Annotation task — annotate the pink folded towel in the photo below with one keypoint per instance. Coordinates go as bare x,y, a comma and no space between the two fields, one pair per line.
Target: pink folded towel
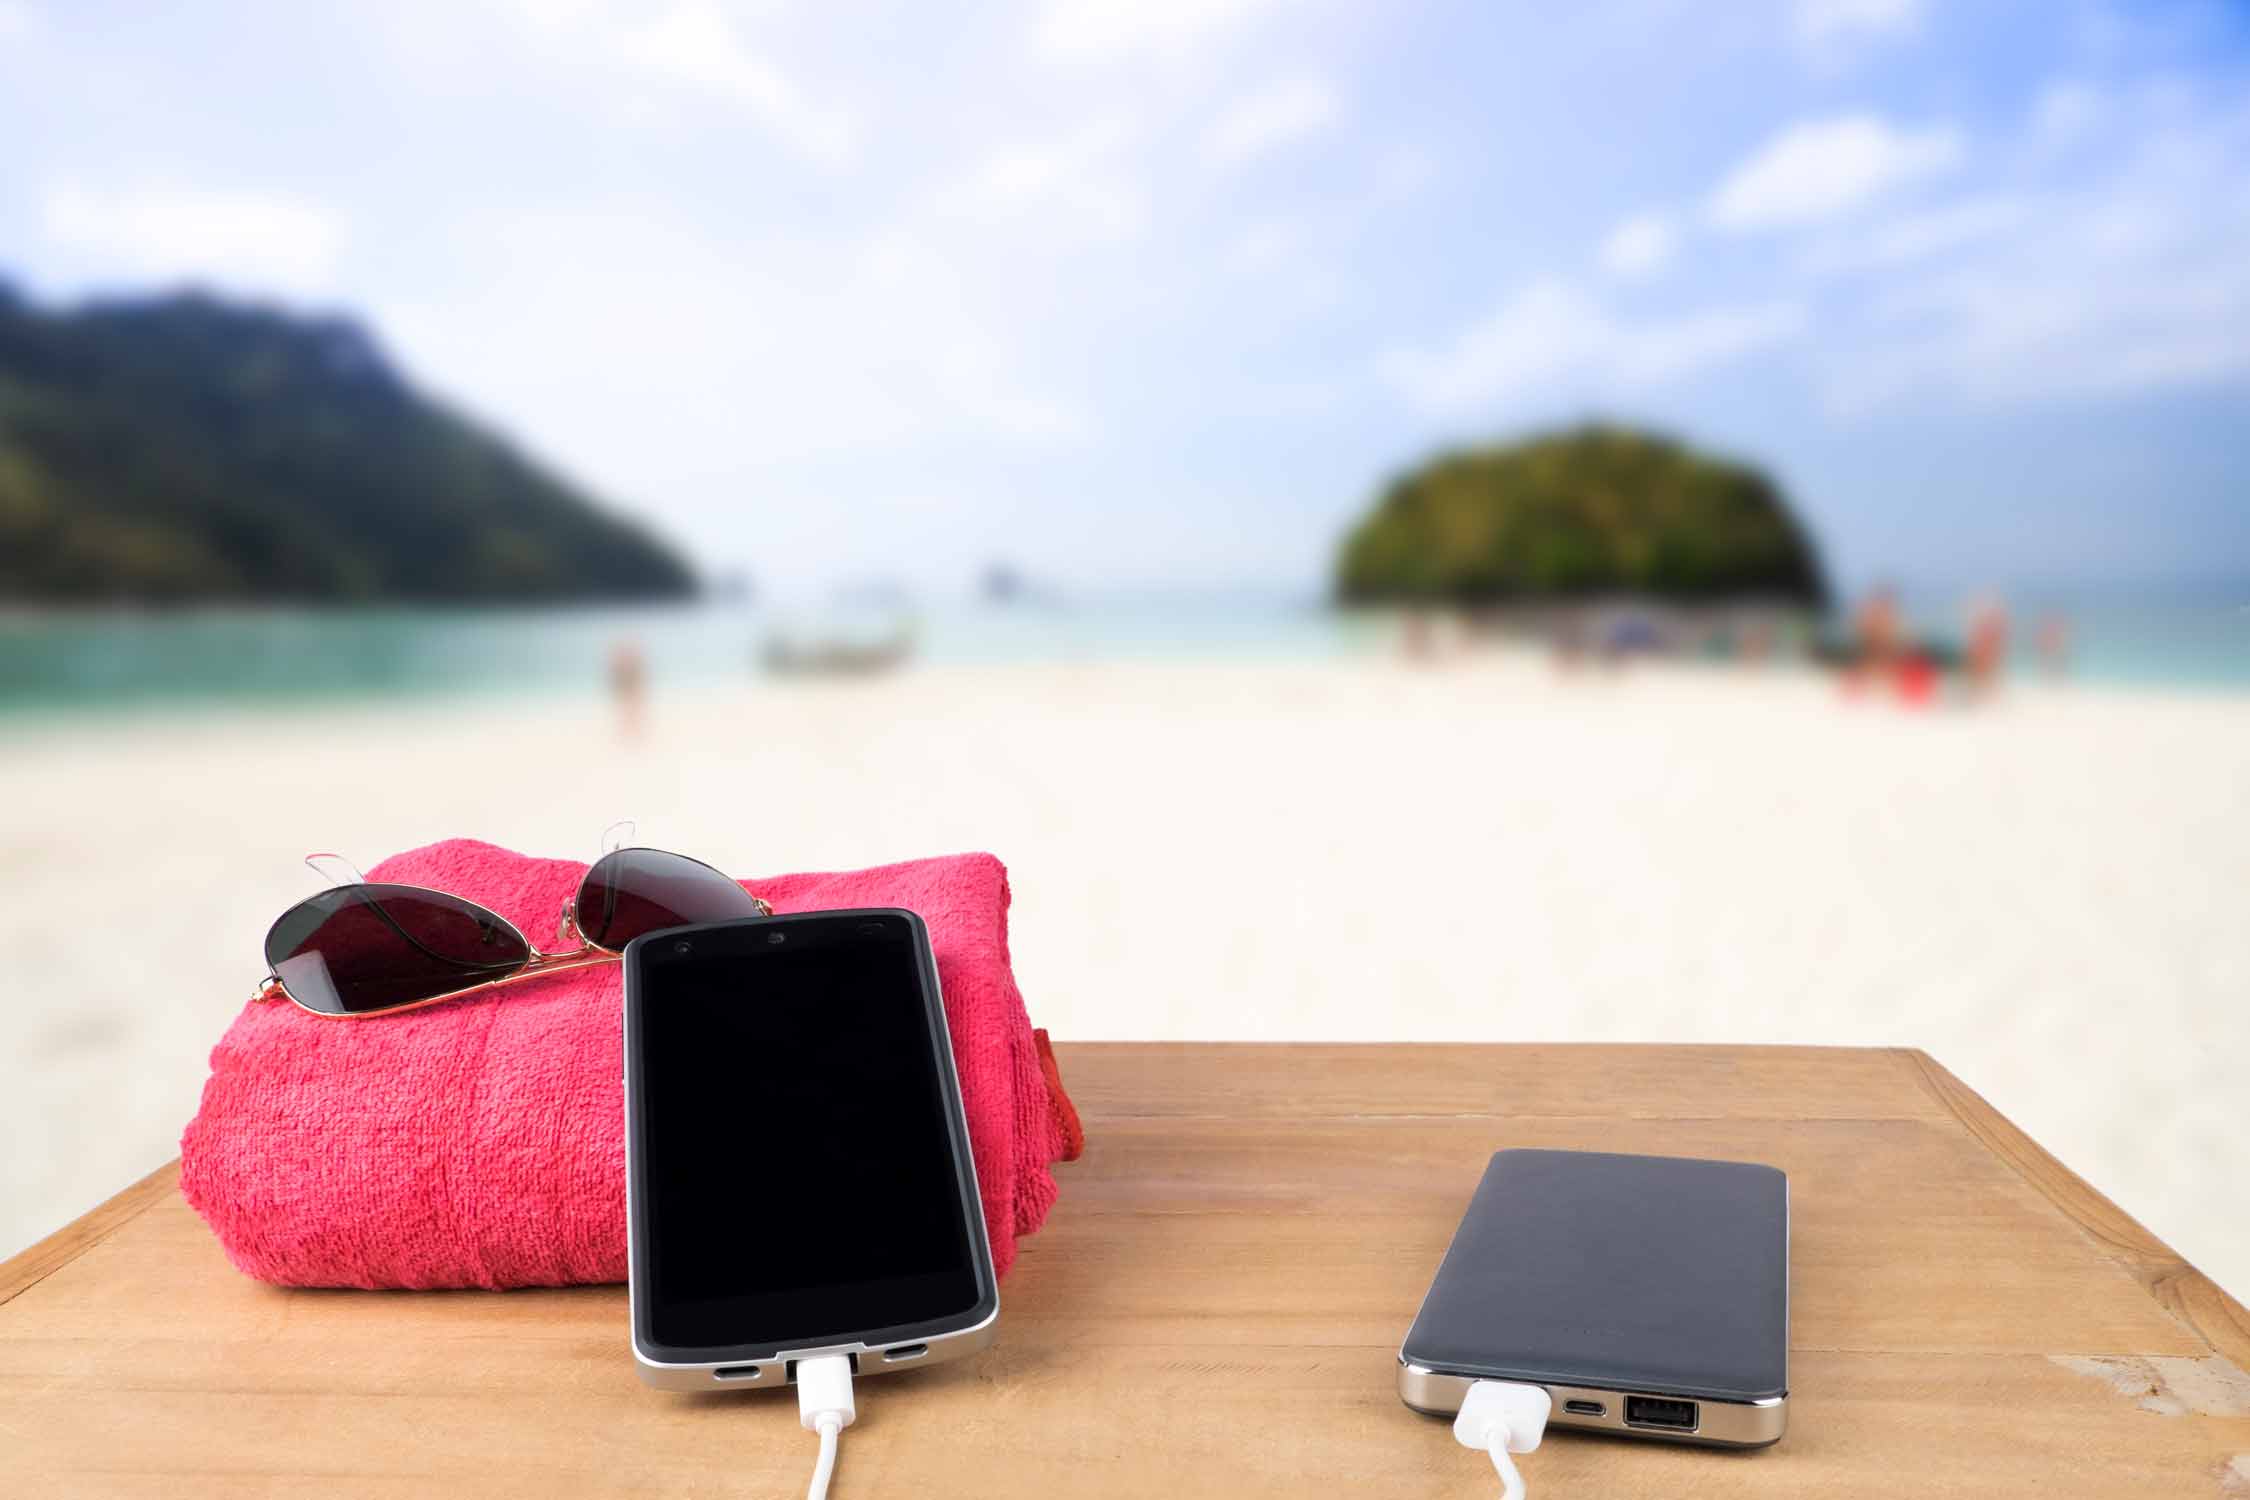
482,1142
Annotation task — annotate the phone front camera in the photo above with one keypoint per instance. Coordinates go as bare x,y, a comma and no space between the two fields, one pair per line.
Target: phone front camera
683,947
777,937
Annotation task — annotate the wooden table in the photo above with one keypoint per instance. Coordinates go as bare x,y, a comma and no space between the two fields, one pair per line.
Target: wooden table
1215,1309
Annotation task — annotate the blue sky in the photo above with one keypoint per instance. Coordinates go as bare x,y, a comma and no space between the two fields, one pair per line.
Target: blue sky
1134,291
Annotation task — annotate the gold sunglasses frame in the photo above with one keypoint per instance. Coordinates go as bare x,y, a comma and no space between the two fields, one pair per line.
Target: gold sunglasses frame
538,966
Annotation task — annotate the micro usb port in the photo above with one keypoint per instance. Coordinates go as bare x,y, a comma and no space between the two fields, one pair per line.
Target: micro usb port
1585,1408
1660,1411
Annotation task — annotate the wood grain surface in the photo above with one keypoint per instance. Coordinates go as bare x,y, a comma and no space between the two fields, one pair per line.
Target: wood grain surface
1214,1309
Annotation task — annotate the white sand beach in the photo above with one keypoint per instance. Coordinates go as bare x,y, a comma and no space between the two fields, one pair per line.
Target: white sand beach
2047,893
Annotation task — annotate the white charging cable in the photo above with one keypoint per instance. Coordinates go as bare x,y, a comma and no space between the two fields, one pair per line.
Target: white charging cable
1503,1417
825,1406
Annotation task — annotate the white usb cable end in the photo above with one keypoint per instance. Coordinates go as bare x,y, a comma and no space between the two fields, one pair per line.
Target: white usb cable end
1501,1417
825,1406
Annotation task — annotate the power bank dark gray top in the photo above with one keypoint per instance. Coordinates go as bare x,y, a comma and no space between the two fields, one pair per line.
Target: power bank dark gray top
1630,1273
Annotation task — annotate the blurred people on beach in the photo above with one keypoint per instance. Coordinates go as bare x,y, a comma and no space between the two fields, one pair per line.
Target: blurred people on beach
1880,629
1985,645
1883,658
2051,640
1417,639
628,686
1569,634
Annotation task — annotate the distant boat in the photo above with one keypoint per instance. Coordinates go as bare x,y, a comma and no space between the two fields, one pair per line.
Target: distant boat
838,651
1002,584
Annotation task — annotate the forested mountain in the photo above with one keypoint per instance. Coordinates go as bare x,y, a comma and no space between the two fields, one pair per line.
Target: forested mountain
183,449
1594,510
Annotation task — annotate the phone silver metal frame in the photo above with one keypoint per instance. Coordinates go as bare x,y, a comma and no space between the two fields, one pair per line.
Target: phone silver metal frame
765,1374
1722,1424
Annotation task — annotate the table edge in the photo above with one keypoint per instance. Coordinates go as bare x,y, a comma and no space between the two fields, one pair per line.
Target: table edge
2167,1277
20,1272
2175,1285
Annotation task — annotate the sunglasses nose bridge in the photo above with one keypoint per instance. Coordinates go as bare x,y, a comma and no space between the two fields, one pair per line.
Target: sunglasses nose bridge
566,925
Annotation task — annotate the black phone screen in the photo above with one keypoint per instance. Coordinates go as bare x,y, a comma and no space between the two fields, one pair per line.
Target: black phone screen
799,1157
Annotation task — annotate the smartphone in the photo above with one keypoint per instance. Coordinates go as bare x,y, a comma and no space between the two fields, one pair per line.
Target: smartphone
1648,1294
798,1174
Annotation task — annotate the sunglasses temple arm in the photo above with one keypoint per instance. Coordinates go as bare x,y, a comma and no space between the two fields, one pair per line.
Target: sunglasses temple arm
320,864
359,893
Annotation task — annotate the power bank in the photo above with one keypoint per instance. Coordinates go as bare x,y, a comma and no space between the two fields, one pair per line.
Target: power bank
1648,1294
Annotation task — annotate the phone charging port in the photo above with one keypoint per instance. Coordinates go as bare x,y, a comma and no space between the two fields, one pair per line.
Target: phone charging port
736,1372
905,1351
1660,1411
1585,1408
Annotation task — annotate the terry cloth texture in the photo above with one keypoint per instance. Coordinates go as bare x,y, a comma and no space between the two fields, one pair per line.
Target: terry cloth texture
481,1142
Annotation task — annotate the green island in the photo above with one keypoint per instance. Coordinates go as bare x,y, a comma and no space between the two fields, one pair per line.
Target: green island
1595,511
183,449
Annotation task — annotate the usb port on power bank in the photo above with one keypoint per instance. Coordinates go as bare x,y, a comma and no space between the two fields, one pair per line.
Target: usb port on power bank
1585,1408
1660,1411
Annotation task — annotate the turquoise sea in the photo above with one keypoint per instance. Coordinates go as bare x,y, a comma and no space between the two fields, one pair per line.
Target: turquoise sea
65,663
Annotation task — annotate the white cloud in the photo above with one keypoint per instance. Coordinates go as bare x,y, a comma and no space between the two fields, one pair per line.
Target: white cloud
648,53
1668,348
1820,169
1640,245
2127,280
1274,116
943,368
1112,29
2009,331
262,242
2013,335
695,42
2066,111
1287,272
1820,23
551,15
1405,171
1074,182
1261,247
1551,332
1915,237
1034,169
632,347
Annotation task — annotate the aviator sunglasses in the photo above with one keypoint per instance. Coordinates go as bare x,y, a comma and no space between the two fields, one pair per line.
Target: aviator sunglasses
371,948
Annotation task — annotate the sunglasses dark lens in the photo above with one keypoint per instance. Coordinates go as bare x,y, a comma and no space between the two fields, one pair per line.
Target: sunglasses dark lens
363,948
636,891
